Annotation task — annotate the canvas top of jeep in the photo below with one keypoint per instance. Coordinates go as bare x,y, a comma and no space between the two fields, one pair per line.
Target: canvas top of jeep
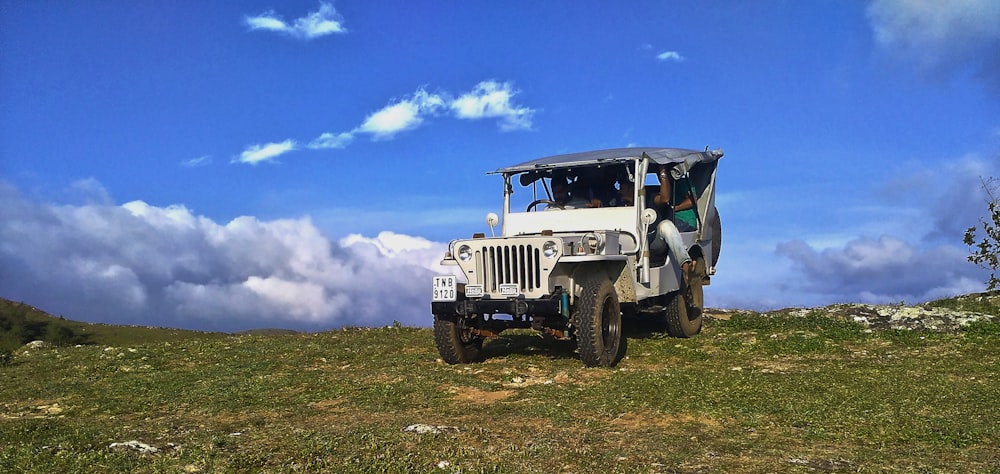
594,179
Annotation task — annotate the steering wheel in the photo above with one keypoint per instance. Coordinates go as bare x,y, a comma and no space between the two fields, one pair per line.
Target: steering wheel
535,204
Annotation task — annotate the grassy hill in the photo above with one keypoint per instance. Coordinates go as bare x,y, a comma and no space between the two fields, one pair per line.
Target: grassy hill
21,323
780,393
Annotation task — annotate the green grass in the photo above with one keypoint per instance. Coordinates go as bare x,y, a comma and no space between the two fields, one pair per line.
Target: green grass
751,394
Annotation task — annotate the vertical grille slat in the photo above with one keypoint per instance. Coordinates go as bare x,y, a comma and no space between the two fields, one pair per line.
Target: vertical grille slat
521,266
515,264
537,267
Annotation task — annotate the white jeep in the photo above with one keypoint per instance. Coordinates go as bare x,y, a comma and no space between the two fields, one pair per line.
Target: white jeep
578,246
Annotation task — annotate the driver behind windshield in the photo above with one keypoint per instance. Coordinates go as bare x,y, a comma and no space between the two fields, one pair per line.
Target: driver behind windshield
567,195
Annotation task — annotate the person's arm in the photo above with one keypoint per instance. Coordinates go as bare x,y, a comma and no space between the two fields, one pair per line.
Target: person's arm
687,202
663,197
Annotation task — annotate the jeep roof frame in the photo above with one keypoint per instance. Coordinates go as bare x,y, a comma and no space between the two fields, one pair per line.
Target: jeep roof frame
661,156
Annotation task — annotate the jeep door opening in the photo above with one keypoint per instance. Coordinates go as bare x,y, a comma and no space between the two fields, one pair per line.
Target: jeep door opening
579,245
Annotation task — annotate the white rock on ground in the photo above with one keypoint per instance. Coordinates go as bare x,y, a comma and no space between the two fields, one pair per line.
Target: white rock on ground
141,448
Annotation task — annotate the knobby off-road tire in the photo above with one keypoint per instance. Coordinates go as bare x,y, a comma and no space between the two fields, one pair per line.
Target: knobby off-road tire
598,321
682,321
455,343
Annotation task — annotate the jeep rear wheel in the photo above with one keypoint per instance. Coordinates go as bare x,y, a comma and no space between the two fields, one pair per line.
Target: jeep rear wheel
598,321
455,341
682,321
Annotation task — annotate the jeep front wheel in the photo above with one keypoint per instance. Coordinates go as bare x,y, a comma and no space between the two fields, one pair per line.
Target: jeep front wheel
682,321
455,341
598,321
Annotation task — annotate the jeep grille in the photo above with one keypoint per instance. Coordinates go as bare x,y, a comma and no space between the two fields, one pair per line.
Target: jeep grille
517,264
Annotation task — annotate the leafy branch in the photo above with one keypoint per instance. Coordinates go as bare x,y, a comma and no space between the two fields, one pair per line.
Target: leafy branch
986,252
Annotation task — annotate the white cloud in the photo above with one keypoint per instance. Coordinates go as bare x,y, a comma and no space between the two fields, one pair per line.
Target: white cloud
257,153
941,36
142,264
266,21
329,140
491,99
406,114
673,56
196,162
322,22
89,191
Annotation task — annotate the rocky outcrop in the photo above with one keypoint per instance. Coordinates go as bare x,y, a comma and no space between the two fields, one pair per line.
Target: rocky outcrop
923,317
884,317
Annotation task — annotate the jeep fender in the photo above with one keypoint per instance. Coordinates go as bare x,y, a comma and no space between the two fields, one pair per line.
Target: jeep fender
619,271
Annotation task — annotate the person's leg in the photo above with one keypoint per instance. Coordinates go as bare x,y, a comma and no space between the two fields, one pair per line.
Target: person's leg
668,232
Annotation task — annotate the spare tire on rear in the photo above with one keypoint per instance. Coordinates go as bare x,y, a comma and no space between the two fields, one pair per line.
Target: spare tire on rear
716,226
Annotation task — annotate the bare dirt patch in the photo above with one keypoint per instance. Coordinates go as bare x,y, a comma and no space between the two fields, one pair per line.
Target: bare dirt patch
475,395
646,420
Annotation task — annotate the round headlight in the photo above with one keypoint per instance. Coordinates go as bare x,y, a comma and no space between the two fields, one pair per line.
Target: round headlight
550,249
465,253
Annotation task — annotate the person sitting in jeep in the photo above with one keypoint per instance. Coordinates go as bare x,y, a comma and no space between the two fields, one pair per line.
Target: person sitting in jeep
684,212
667,235
626,192
568,193
601,188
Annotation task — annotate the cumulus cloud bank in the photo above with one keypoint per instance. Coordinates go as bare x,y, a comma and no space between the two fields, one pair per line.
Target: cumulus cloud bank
883,270
165,266
322,22
909,246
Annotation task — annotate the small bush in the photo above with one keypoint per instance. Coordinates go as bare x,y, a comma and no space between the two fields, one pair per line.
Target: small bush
59,335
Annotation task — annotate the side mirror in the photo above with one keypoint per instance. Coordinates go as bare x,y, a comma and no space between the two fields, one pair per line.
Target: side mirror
492,219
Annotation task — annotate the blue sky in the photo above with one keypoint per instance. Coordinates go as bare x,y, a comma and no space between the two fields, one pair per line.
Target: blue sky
228,165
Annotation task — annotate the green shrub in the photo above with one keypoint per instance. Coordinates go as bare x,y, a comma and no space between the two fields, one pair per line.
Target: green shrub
59,335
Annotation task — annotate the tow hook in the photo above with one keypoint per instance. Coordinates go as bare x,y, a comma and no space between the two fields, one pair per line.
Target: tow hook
557,333
483,332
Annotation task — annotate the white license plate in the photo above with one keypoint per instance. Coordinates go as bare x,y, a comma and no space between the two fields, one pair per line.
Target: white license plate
509,289
474,291
444,288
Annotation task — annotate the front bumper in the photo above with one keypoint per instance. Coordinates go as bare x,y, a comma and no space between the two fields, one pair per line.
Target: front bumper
512,306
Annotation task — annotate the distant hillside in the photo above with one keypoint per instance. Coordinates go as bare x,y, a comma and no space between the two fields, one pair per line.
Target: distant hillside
21,323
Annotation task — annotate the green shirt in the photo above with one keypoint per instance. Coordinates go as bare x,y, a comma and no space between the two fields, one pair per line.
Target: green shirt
680,192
